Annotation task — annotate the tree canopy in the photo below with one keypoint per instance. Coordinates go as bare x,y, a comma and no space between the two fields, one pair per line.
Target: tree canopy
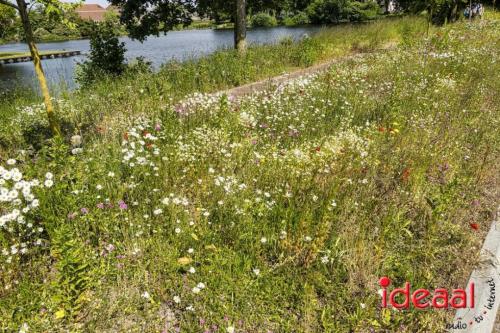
151,17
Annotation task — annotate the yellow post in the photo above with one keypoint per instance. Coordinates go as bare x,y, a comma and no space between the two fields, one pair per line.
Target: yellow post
35,55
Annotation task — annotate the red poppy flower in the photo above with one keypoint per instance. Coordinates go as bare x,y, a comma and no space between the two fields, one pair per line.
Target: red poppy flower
381,129
406,174
474,226
125,136
318,149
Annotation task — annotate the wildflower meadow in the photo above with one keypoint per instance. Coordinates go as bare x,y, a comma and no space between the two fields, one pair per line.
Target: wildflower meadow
171,207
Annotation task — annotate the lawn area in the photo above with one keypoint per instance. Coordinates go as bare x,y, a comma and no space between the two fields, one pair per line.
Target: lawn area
169,207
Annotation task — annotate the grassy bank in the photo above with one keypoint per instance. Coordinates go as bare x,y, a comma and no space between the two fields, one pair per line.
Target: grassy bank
177,210
226,68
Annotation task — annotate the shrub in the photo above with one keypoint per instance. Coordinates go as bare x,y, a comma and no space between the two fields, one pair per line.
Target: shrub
364,11
107,55
41,34
139,66
335,11
264,20
300,18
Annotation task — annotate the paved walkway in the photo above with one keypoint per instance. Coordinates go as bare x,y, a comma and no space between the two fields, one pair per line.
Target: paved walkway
250,88
486,279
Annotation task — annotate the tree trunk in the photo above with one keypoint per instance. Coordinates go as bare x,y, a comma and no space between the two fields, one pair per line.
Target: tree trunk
240,26
470,11
23,13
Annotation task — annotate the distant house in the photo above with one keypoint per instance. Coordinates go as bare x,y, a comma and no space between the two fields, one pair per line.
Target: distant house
94,12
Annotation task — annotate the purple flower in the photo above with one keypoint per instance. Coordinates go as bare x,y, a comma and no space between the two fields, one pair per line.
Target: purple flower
158,127
84,211
202,321
122,205
100,205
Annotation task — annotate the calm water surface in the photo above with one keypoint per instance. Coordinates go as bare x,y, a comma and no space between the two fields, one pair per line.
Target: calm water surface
178,45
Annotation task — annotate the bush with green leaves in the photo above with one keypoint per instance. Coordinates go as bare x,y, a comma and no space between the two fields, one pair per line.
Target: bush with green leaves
301,18
336,11
364,11
107,55
264,20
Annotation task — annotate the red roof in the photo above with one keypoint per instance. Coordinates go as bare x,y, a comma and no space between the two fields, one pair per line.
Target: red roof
92,12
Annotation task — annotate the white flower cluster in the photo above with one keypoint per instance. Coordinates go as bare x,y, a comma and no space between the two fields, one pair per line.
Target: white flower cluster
199,103
16,201
139,145
174,200
229,183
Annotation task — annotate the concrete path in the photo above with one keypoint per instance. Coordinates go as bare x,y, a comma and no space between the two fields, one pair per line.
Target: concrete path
253,87
486,279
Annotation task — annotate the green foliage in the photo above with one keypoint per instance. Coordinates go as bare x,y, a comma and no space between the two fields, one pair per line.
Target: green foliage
145,18
139,66
441,11
335,11
72,277
263,20
308,53
7,21
107,55
364,11
301,18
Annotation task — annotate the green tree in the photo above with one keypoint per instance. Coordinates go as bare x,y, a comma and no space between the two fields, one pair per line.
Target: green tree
107,55
335,11
143,18
240,26
440,11
7,21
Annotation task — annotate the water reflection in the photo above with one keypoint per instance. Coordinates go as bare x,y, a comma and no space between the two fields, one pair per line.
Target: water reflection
178,45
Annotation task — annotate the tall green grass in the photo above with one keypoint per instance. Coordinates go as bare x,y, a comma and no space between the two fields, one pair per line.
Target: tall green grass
181,211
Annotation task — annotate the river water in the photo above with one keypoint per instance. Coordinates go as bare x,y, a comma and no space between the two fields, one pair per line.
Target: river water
178,45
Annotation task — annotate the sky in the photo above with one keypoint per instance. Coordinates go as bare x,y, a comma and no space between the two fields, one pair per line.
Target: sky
103,3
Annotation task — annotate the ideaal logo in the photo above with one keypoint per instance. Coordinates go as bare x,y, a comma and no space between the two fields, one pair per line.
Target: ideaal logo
424,298
475,317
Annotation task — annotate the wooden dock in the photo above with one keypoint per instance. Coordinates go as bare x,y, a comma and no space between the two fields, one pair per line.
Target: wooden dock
25,57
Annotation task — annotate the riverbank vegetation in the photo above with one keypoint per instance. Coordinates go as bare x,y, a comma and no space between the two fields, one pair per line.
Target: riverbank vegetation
219,14
168,207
